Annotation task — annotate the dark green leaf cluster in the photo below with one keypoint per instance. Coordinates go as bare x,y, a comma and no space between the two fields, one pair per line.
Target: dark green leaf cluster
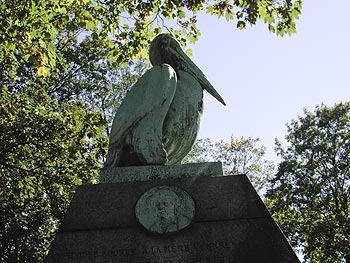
280,16
310,197
53,137
46,149
31,32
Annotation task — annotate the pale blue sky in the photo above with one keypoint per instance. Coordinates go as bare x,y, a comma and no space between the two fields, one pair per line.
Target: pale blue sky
267,80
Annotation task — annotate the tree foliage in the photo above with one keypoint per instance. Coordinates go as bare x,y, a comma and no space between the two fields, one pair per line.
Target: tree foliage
46,149
310,197
49,144
34,33
239,156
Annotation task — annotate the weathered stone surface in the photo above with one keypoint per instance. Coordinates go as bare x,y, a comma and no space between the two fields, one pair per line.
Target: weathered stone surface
231,225
165,209
104,206
255,240
155,172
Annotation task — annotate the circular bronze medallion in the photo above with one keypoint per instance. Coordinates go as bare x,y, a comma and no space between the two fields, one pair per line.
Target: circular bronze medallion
165,209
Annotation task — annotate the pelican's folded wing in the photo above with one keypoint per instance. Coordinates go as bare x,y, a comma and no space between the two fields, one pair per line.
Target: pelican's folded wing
136,134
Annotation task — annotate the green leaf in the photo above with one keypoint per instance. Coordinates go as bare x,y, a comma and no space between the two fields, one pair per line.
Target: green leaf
241,25
210,10
189,52
181,14
90,25
262,11
298,5
295,13
228,16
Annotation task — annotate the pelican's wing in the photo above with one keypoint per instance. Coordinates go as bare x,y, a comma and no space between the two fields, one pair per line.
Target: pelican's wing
136,134
181,124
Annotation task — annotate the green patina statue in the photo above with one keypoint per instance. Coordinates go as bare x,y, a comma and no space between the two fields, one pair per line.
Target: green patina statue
158,121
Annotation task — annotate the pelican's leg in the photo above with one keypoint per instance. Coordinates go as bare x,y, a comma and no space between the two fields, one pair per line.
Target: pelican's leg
136,136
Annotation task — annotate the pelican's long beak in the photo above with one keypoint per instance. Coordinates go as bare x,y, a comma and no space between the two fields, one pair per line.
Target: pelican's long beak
191,68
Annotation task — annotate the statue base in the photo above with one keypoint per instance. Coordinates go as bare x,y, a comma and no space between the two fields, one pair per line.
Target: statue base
156,172
229,224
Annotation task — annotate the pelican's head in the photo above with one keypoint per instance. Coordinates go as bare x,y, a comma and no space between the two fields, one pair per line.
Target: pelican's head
165,49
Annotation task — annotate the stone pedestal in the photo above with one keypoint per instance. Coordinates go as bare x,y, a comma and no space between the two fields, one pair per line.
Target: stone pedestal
230,224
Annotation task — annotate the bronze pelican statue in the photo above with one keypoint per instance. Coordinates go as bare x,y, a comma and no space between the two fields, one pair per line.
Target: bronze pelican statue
158,121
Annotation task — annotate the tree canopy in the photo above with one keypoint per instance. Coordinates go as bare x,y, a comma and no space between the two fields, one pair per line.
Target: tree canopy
35,33
310,197
48,146
39,138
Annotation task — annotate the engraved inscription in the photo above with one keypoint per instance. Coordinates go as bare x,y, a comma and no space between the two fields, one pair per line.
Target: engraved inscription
201,252
99,253
211,259
151,172
217,245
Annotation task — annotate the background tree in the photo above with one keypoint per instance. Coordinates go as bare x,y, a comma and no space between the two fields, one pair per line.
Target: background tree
49,146
239,156
39,138
310,197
